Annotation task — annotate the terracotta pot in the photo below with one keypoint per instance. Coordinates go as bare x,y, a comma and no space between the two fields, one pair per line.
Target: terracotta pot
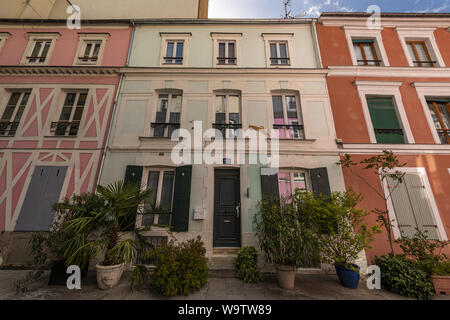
109,276
441,284
285,276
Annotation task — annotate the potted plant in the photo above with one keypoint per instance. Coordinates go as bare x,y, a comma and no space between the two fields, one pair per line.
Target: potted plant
287,241
343,234
100,230
441,277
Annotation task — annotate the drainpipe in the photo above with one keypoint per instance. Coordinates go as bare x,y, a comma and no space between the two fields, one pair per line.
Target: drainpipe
316,42
116,101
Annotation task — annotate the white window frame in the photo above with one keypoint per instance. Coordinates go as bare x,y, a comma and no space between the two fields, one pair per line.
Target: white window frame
35,37
227,38
4,105
420,34
60,106
170,93
84,39
227,94
390,206
3,38
174,37
383,89
300,112
291,172
431,89
355,33
279,37
144,181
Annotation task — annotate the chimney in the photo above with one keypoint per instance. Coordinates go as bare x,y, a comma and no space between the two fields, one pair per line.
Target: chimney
203,9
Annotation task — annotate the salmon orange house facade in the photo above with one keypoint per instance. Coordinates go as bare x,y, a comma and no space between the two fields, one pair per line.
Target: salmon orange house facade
57,91
389,89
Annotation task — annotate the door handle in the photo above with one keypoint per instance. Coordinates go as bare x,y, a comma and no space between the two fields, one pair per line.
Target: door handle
238,210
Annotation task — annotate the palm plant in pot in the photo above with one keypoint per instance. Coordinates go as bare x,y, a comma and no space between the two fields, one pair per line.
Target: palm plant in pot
343,233
101,228
286,240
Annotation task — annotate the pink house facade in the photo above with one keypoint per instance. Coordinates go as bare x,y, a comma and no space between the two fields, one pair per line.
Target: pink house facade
57,94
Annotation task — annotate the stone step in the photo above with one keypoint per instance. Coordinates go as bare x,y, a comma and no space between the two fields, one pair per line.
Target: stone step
222,262
221,251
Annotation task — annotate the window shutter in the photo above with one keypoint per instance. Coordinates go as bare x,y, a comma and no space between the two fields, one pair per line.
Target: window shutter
269,183
181,199
412,207
133,174
320,182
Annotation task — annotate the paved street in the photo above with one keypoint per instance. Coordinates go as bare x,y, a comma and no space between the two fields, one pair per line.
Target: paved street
308,286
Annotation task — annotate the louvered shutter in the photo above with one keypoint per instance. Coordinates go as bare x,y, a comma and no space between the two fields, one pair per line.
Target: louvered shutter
181,199
133,174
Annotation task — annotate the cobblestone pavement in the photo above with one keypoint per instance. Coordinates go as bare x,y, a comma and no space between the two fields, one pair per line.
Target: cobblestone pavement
308,287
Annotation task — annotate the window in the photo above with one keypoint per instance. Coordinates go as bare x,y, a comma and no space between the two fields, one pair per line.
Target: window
279,53
365,52
71,114
413,205
174,52
39,48
228,114
384,120
168,112
90,48
420,54
286,118
440,113
289,181
161,181
227,53
15,107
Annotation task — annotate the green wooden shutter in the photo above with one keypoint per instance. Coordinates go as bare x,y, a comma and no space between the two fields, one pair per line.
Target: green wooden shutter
383,116
412,207
269,183
133,174
181,199
319,181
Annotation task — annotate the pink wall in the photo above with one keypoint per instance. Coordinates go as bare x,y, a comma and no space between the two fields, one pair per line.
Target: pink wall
115,53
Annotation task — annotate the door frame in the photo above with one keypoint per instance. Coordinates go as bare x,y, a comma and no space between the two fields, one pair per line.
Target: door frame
237,170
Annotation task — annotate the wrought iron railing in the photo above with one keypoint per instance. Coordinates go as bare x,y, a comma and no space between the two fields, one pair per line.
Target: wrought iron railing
227,129
8,128
170,60
297,130
223,60
65,128
284,61
159,128
366,61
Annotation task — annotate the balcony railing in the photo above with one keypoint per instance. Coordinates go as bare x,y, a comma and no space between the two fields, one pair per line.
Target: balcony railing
159,128
421,63
222,60
444,135
367,62
282,61
65,128
389,135
8,128
227,129
290,131
170,60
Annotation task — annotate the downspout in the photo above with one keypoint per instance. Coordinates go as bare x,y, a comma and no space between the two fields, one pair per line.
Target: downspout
116,101
316,42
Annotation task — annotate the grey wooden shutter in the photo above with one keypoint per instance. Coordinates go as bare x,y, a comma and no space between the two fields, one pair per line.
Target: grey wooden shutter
133,174
319,181
269,183
181,199
412,206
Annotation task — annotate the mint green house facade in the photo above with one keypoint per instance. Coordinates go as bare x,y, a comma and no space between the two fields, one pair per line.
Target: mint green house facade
196,75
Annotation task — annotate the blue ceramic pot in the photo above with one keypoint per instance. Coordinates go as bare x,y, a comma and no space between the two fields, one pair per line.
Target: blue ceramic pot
348,277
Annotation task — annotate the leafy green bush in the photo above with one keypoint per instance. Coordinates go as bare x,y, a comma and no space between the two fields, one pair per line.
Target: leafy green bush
247,265
180,269
442,269
405,277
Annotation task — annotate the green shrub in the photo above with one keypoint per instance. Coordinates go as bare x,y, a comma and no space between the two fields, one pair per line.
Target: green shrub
405,277
247,265
442,269
180,269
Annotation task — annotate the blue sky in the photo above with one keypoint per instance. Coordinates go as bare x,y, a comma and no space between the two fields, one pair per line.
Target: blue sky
313,8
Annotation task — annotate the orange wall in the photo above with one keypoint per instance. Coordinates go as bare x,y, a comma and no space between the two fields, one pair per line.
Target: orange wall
393,47
436,167
333,46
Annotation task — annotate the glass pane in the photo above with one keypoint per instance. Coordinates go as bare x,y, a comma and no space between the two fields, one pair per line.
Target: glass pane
234,109
169,52
231,53
278,116
70,99
82,99
26,95
36,50
445,115
299,181
96,50
423,54
283,53
152,183
370,54
179,53
87,51
413,54
78,114
8,113
167,189
220,109
273,53
222,51
45,52
284,184
291,106
176,103
358,54
65,114
161,114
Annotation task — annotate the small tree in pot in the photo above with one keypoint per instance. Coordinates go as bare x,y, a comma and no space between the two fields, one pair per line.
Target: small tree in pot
100,231
343,233
287,241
